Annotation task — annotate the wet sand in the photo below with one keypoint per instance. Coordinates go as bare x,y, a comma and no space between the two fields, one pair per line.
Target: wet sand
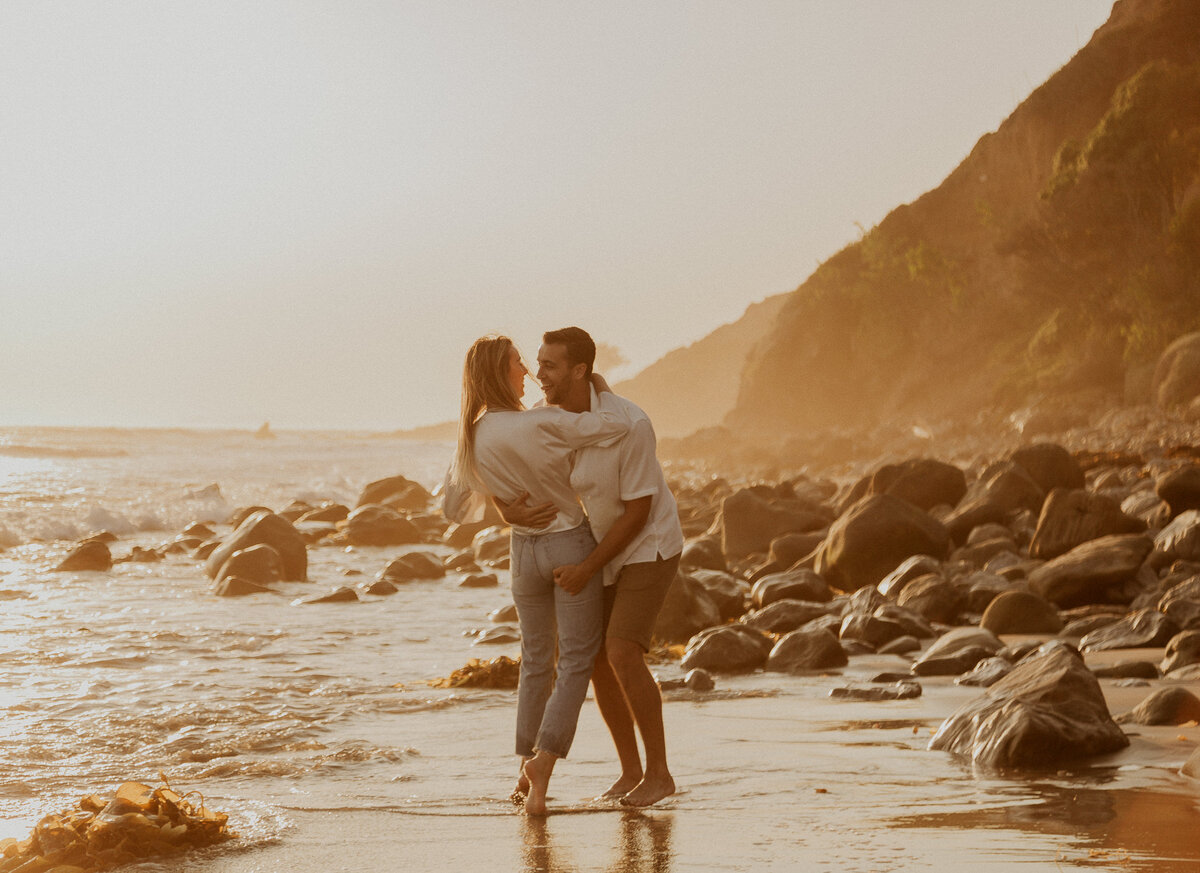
773,774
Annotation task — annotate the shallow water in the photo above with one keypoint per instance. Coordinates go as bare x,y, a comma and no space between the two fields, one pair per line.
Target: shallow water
289,718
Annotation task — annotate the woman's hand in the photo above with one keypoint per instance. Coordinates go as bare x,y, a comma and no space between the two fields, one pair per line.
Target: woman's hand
519,512
571,578
600,383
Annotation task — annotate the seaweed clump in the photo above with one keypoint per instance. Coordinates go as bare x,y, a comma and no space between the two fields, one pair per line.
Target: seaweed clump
500,672
138,822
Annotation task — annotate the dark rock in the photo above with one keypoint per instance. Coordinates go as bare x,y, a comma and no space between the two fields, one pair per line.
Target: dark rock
1187,673
731,648
1145,628
337,595
874,631
242,513
727,591
1177,373
1088,573
935,598
1179,540
479,580
873,537
1079,628
235,586
1014,653
491,545
1127,670
904,645
1181,650
413,565
198,530
1180,488
204,551
139,555
699,680
260,564
463,562
923,482
503,613
379,588
87,557
687,610
703,553
782,616
376,525
980,553
910,568
1191,767
952,664
329,512
800,584
1049,465
1173,705
913,623
1020,612
750,520
497,636
1047,711
1001,491
395,492
982,588
1072,517
807,649
864,601
294,510
903,690
986,673
460,536
264,528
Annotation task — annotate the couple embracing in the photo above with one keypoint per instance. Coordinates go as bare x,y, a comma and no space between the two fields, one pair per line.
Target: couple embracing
587,586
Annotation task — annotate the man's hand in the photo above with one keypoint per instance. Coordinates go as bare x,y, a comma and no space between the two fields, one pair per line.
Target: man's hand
571,578
519,512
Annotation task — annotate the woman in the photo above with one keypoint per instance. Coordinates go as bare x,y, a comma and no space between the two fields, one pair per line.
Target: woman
506,451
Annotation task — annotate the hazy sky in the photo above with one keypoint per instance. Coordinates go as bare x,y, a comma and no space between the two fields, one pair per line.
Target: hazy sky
218,213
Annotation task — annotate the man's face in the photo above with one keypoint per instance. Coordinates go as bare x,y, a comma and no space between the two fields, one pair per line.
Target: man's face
556,374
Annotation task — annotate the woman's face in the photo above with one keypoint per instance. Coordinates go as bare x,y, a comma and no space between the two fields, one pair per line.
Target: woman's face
516,372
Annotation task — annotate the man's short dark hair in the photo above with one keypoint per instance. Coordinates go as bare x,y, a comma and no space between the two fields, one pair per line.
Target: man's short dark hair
581,349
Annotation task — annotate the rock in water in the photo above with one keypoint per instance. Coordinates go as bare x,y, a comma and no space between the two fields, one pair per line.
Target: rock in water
1047,711
91,555
266,528
1173,705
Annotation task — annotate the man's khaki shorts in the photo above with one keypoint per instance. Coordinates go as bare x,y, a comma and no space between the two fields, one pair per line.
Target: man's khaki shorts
631,605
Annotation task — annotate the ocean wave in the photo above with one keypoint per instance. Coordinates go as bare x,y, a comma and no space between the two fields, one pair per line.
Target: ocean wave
20,451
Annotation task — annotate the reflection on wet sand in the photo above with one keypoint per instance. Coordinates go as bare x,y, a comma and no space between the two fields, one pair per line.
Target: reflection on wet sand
643,845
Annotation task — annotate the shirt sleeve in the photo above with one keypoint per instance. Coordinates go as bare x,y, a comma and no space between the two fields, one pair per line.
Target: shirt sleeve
641,475
460,503
579,429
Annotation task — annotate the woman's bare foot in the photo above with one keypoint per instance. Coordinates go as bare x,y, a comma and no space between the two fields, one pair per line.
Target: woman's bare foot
538,770
518,794
650,790
621,787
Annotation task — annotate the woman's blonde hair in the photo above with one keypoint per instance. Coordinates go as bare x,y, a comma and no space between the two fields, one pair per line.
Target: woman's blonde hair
485,386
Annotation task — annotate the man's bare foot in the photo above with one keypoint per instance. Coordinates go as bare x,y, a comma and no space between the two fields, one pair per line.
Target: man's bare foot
538,770
649,791
621,787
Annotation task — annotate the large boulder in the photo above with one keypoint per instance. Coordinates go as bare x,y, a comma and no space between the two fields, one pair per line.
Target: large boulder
923,482
1047,711
798,584
809,648
1177,373
703,553
1049,465
934,598
396,492
1180,488
730,648
1087,573
1179,540
727,591
873,536
92,555
751,518
1002,489
687,610
260,564
264,528
377,525
1146,628
783,616
1071,517
1021,612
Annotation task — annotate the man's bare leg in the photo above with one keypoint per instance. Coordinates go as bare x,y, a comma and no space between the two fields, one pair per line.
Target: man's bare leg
538,770
629,664
614,709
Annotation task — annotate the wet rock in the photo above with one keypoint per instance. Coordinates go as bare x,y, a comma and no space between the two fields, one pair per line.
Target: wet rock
1049,465
139,555
507,612
244,512
337,595
87,557
1089,573
1180,488
956,652
869,629
491,545
1014,653
463,562
329,512
1181,650
903,690
395,492
1172,705
1047,711
910,569
375,525
699,680
1072,517
235,586
378,588
703,553
1181,603
1177,374
198,530
264,528
782,616
1127,670
986,673
1188,673
751,518
934,598
687,610
460,536
413,565
1146,628
497,636
904,645
731,648
807,649
260,564
1020,612
799,584
873,537
913,623
727,591
479,580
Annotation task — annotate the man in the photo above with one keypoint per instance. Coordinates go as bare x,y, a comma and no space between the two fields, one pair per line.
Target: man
636,524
